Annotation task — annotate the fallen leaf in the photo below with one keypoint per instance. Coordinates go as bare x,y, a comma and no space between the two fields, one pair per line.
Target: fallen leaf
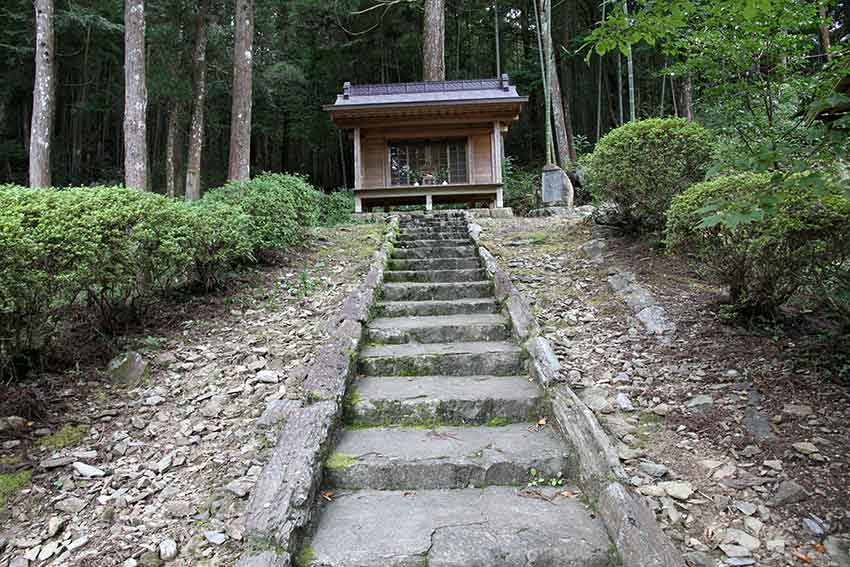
819,547
409,493
536,493
434,434
567,493
328,495
802,557
542,421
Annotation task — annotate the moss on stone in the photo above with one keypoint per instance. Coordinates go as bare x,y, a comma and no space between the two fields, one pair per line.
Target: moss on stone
497,422
10,483
305,557
339,461
65,437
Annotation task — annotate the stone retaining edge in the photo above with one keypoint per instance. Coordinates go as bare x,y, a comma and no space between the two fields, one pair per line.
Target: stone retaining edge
283,501
630,523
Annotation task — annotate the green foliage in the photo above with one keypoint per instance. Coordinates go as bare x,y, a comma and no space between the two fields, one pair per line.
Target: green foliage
337,207
68,436
537,478
223,238
642,165
281,206
521,186
10,483
764,258
107,254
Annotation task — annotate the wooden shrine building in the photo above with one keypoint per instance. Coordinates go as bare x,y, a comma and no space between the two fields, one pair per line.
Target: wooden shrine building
428,143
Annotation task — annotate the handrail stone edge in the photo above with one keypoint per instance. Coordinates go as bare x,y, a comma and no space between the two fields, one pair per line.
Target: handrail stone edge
283,501
631,525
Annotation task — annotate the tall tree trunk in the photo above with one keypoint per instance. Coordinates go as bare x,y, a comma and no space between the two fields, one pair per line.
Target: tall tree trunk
563,101
498,39
823,30
599,88
43,96
433,41
544,44
688,98
170,148
196,131
135,96
631,72
561,136
239,165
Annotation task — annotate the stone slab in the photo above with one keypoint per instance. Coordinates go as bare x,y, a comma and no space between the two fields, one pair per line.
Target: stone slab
282,501
494,526
437,307
448,457
434,275
454,359
444,399
435,264
431,291
467,251
439,328
433,243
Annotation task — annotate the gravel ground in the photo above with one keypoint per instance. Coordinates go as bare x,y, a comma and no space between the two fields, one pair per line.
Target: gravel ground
160,471
738,436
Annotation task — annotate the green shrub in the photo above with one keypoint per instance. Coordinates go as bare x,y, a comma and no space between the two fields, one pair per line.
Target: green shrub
110,249
640,167
337,207
521,187
764,261
281,207
223,239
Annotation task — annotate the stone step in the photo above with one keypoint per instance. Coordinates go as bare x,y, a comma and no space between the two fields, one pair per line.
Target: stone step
435,264
427,291
490,527
453,359
437,225
439,329
432,252
437,307
432,243
440,235
448,457
424,276
451,400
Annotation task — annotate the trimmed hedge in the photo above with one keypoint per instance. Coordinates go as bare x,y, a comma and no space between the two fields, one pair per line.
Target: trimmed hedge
110,252
281,205
641,165
337,207
765,261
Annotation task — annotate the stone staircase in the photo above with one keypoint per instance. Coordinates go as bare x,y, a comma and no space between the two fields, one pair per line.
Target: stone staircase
441,437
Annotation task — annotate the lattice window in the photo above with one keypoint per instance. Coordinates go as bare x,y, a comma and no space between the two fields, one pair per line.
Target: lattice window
428,162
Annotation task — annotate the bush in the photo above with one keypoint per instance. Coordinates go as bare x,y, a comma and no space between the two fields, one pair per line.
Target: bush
223,239
765,261
640,167
521,187
108,253
281,207
337,207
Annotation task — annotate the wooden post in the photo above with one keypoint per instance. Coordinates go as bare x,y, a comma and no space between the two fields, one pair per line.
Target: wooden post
429,204
358,161
497,152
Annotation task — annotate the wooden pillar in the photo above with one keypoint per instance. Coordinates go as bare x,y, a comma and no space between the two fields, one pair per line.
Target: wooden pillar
358,161
497,152
429,204
358,171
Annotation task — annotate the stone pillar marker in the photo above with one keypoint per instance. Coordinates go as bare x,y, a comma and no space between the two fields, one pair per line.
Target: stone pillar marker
557,188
